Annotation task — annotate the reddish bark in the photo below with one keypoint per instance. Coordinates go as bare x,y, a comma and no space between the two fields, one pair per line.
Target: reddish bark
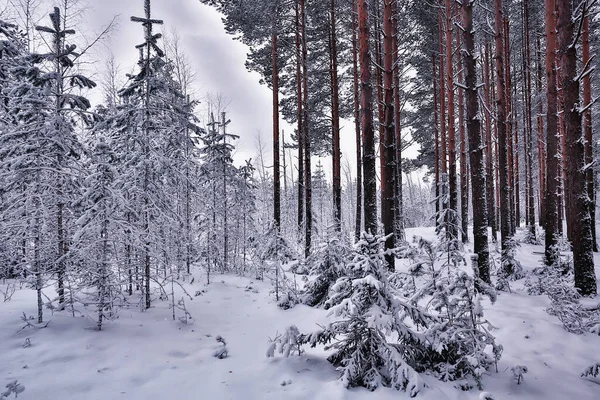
335,116
359,197
398,205
578,208
541,143
464,170
306,122
276,167
480,232
368,139
587,128
491,205
529,124
509,127
503,142
300,117
552,166
388,155
453,220
437,139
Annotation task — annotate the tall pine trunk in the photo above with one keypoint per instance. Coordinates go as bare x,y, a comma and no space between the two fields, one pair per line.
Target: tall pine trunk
276,166
578,208
300,117
359,173
368,138
398,201
489,166
335,115
541,144
505,228
437,140
552,184
453,220
306,135
587,127
464,169
528,143
479,202
389,156
444,154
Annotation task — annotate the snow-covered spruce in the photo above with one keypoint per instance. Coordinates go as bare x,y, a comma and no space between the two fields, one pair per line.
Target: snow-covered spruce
464,346
273,252
95,238
325,265
510,268
373,335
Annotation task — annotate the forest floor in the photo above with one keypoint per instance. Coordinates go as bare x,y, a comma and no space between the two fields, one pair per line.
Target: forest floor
149,356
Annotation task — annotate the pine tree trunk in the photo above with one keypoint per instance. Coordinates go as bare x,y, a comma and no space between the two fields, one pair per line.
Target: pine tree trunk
453,220
578,207
443,144
552,184
300,116
389,154
464,169
503,167
336,155
306,123
398,204
380,106
276,166
437,141
528,142
359,173
509,126
491,204
540,136
587,128
562,151
479,201
366,94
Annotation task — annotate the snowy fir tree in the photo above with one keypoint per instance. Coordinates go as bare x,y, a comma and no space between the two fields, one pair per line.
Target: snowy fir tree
365,314
324,266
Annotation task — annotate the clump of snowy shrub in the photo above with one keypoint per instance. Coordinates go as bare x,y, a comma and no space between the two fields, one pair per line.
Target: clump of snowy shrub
593,371
556,281
285,344
12,387
325,266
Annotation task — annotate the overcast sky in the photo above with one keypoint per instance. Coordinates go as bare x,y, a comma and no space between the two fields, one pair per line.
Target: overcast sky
217,59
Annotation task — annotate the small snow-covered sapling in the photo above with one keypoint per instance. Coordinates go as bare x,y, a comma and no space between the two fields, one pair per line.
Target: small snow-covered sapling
12,387
222,351
519,372
486,396
7,293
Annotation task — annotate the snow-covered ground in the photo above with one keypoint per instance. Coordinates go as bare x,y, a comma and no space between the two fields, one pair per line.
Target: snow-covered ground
149,356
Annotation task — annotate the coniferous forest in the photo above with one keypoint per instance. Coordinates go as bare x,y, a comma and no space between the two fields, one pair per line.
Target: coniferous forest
419,222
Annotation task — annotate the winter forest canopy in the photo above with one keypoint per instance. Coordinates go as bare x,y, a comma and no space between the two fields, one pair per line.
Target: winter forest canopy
420,220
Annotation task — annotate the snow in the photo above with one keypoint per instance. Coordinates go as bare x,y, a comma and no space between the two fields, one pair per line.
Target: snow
147,355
